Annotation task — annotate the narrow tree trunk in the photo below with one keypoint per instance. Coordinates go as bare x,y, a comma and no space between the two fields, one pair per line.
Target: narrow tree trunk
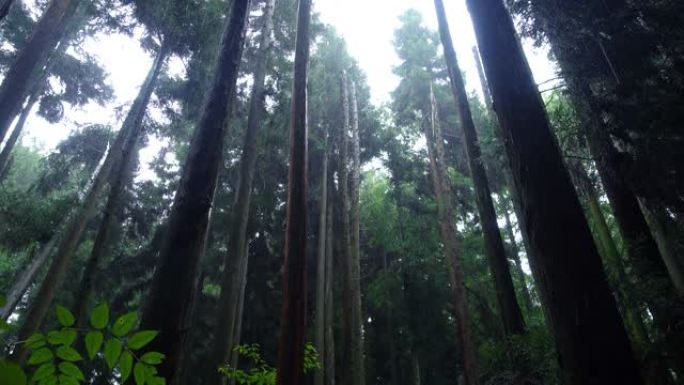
237,330
444,198
515,255
237,242
27,277
169,301
293,316
4,8
321,268
509,310
16,132
415,366
46,34
591,341
329,354
394,370
357,375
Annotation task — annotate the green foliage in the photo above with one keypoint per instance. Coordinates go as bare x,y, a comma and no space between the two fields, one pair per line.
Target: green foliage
260,373
54,357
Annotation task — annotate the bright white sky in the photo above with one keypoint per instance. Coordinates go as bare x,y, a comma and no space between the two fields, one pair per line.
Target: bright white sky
367,25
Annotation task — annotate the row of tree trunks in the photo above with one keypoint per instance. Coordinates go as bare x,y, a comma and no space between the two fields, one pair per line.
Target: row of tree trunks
444,198
509,310
169,302
233,276
46,34
591,341
290,369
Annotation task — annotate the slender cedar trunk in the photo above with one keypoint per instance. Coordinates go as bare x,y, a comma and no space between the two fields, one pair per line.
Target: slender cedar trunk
615,266
394,370
515,256
46,34
347,374
169,301
506,167
357,375
27,277
444,198
509,310
5,7
16,132
224,340
70,240
321,268
123,176
293,316
329,354
237,330
415,365
591,341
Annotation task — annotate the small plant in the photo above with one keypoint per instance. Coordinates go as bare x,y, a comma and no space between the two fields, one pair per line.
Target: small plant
260,372
54,359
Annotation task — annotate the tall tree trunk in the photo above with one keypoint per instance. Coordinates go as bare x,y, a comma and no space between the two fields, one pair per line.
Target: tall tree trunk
444,198
321,268
27,277
389,326
357,376
124,176
16,132
169,301
76,226
591,341
223,341
293,316
329,354
5,7
415,366
515,256
509,310
46,34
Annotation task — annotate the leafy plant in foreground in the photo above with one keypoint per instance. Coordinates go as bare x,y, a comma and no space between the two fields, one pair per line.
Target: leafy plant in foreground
260,372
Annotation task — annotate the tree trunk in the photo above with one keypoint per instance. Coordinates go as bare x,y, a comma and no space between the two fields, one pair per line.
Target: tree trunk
392,348
223,341
76,226
46,34
444,198
515,256
329,354
27,277
321,268
509,310
293,316
591,341
415,365
4,8
357,376
16,132
169,301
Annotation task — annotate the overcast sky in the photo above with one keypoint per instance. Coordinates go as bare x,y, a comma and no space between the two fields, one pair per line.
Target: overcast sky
367,26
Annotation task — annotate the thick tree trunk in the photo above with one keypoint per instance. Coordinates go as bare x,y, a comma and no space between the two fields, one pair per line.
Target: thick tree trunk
329,353
591,341
70,240
509,310
46,34
293,316
357,376
444,198
27,277
16,132
223,341
515,256
169,301
321,268
5,7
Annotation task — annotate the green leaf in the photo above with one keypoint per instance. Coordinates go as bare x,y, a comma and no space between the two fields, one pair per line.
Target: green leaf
35,341
125,366
100,316
49,380
64,316
139,373
124,324
11,373
72,370
93,343
157,381
65,379
141,339
40,356
62,337
112,351
43,371
152,358
68,353
3,300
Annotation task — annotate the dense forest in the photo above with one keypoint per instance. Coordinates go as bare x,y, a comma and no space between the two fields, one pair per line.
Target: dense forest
289,229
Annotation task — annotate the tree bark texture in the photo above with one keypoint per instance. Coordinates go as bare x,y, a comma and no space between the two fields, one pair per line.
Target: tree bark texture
329,353
591,341
321,270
